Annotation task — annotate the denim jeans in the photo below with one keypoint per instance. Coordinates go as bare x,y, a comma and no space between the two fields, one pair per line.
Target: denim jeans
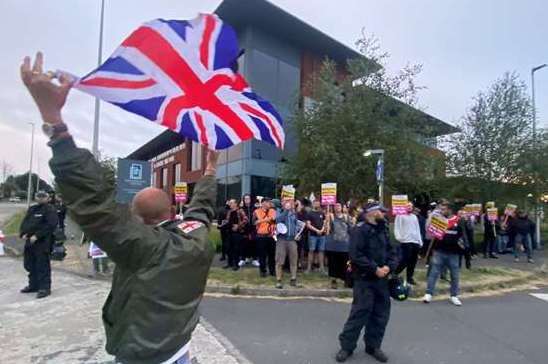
438,262
527,242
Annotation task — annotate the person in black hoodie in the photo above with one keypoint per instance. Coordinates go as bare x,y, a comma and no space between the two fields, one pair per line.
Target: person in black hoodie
489,237
222,225
521,228
372,257
249,250
447,252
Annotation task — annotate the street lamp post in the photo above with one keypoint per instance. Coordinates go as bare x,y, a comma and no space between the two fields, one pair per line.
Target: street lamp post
29,188
95,142
380,170
535,147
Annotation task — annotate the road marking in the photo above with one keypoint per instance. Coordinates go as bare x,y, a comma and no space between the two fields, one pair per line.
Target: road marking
541,296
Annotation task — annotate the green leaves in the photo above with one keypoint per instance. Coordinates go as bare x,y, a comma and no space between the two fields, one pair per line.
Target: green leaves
369,109
496,134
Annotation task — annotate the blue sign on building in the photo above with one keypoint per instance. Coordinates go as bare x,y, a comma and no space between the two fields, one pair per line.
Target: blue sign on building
133,176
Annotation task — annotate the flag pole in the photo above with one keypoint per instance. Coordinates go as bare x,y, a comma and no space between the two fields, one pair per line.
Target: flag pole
95,142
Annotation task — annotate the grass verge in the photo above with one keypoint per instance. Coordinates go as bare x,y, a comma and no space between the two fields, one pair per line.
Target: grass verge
11,227
474,280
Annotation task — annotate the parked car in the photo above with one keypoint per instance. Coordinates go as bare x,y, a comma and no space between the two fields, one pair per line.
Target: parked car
15,199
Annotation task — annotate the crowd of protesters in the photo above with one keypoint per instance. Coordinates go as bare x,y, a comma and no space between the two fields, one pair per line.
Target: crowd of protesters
304,236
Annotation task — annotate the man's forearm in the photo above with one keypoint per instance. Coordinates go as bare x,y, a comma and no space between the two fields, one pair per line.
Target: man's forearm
202,205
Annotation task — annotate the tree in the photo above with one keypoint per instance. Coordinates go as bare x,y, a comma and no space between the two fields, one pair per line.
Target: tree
110,168
495,143
369,108
7,169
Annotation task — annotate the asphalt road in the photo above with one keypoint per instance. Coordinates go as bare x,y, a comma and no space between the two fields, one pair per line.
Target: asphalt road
501,330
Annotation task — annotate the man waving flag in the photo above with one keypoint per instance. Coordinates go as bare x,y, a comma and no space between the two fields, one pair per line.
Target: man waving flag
183,75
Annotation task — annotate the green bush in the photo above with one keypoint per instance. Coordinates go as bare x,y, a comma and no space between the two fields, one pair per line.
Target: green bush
215,238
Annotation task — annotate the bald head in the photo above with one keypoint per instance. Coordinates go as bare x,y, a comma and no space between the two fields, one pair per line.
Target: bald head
152,205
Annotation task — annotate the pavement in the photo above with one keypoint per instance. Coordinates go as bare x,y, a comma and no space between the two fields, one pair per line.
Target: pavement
66,327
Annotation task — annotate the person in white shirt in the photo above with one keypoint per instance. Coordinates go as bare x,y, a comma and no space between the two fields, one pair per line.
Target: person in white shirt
408,233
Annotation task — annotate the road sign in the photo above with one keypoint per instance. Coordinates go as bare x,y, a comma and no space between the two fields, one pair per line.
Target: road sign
133,176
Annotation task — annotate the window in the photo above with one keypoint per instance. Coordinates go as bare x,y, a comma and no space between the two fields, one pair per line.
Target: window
263,186
163,181
228,188
177,177
196,157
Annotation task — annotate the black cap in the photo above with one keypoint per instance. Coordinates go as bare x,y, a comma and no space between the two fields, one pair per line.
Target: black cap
42,194
372,206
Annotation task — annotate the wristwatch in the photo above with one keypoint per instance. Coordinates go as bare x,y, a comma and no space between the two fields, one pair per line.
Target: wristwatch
53,130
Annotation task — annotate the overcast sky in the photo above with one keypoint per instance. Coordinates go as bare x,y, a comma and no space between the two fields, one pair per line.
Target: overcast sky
464,45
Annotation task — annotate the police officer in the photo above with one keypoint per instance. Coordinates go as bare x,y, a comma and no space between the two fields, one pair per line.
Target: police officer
37,229
161,264
373,258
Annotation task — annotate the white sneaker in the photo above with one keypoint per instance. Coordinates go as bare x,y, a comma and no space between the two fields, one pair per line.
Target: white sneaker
427,298
455,300
256,263
241,263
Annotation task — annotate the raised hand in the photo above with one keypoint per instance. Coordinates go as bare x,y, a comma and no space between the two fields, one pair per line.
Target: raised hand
211,164
48,96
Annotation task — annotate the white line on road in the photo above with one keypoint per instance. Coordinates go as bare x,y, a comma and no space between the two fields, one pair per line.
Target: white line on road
541,296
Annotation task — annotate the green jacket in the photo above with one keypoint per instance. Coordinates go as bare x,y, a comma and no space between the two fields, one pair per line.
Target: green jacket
161,271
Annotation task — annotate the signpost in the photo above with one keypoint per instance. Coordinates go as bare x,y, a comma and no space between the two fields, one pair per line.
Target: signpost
133,176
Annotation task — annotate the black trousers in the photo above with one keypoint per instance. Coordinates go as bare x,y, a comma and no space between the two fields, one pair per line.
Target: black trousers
489,245
225,242
409,257
36,260
249,249
370,309
266,247
234,248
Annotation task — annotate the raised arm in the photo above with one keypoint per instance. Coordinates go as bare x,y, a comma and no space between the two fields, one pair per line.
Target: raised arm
202,205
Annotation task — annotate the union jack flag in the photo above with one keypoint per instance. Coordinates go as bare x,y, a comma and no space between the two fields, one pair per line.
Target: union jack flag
180,74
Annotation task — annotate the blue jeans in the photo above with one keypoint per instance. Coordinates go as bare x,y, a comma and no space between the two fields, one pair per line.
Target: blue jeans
438,262
316,243
527,242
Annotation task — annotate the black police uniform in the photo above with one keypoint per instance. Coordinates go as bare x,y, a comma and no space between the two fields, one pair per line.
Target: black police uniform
370,248
40,221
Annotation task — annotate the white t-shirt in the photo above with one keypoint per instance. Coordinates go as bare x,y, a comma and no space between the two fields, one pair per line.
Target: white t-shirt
407,229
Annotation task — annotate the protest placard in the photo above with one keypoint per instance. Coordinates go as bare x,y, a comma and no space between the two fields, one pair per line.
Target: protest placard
492,214
400,205
288,192
181,192
329,194
438,226
510,209
95,252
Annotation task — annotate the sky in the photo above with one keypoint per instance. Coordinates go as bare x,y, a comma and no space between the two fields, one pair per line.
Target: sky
463,45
